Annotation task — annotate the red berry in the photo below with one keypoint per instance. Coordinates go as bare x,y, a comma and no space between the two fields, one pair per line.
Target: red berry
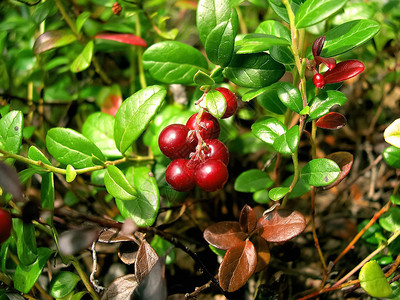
180,175
5,225
211,175
208,126
174,143
318,80
231,102
216,150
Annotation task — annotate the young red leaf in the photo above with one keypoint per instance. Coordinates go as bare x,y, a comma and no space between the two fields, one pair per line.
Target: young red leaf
263,255
345,161
344,70
247,219
126,38
224,235
332,120
146,258
329,62
317,46
281,225
238,265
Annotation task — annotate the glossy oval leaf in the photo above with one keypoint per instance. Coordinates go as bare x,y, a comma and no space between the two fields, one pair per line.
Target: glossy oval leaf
257,42
392,133
289,96
84,59
216,103
11,126
99,128
331,120
287,142
320,172
238,265
282,54
347,36
280,9
281,225
275,28
345,161
254,70
269,100
81,19
63,283
373,280
312,12
173,62
117,185
268,129
391,155
247,219
70,147
224,235
52,39
126,38
278,193
323,102
135,114
202,78
390,220
26,242
143,210
251,181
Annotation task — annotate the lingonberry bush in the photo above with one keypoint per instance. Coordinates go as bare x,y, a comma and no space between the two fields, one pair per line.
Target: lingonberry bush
155,149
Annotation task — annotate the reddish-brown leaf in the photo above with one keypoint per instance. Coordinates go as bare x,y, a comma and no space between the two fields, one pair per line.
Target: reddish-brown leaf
281,225
263,255
345,162
224,235
329,62
247,219
344,70
127,252
332,120
146,258
126,38
52,39
121,288
238,265
317,46
112,235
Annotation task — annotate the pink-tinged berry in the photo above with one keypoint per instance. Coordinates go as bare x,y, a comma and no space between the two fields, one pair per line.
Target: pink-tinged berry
208,125
180,175
211,175
231,102
318,80
216,150
5,225
174,141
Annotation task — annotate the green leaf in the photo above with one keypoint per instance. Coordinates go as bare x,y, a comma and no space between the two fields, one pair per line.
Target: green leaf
257,42
373,281
99,128
278,193
161,246
83,60
261,197
395,199
143,210
201,78
35,154
135,113
117,185
217,24
217,251
323,102
63,283
81,19
269,100
274,28
390,220
251,181
26,276
71,173
52,39
11,131
347,36
26,242
371,233
254,70
173,62
280,9
290,96
391,155
312,12
282,54
47,195
320,172
43,10
287,142
392,133
268,129
70,147
355,11
216,103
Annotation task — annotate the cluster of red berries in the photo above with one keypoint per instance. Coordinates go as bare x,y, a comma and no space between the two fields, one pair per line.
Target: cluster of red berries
336,72
198,157
5,225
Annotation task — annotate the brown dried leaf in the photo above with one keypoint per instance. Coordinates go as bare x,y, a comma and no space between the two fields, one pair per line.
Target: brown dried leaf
247,219
238,265
146,258
345,161
113,235
224,235
281,225
127,252
121,288
263,255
